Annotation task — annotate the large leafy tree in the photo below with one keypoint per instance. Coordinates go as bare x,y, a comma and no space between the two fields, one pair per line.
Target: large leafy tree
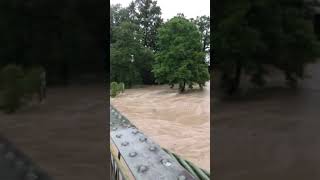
180,58
253,35
145,17
148,15
129,59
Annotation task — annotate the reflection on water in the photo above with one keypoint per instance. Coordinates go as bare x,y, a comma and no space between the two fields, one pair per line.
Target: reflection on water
271,134
178,122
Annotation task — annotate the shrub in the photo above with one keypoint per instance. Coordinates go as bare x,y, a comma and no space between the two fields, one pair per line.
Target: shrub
121,87
32,81
114,89
12,87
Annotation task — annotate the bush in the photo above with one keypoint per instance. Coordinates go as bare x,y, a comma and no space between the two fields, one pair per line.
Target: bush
16,87
12,88
114,89
121,87
32,81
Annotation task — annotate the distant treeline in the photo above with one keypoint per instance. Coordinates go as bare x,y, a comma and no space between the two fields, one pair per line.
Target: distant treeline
252,36
67,38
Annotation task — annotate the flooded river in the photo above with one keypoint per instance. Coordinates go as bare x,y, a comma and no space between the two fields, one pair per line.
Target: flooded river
178,122
271,135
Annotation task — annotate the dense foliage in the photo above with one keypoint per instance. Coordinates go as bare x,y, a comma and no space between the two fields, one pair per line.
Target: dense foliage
130,61
180,58
149,19
135,44
18,86
11,88
253,35
203,24
116,88
133,34
32,81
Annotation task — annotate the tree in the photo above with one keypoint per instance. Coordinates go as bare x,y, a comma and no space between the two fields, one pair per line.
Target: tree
203,24
149,19
143,57
180,58
129,60
253,35
119,15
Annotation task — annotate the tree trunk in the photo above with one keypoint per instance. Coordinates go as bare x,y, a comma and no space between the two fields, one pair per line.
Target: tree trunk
182,86
204,42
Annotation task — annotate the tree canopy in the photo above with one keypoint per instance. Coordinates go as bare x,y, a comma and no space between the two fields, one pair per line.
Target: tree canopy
180,58
149,18
127,42
135,34
129,59
203,24
253,35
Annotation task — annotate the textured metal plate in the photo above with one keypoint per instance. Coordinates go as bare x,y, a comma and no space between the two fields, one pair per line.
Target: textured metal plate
145,159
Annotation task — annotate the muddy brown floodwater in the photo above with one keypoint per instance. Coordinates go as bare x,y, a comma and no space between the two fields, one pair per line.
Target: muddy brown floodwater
178,122
273,134
65,135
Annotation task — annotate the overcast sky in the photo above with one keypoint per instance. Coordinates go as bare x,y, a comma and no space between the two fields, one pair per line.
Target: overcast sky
170,8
